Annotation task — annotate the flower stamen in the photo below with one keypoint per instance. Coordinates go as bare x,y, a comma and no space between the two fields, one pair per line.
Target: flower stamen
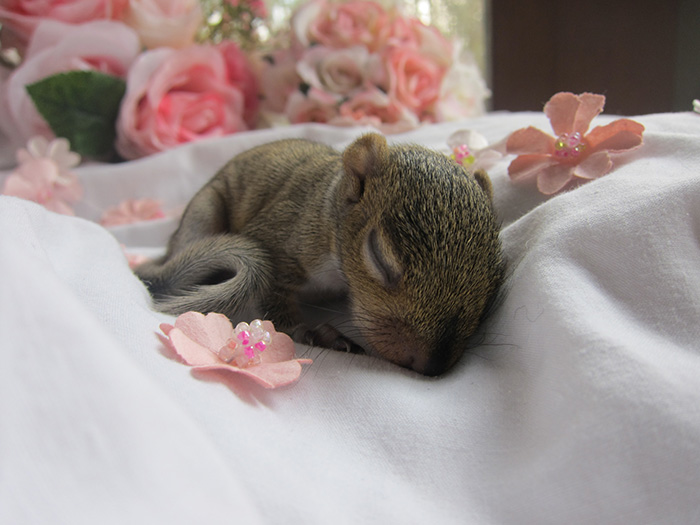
569,145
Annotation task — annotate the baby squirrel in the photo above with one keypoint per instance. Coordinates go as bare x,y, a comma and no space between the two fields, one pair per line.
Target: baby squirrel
407,233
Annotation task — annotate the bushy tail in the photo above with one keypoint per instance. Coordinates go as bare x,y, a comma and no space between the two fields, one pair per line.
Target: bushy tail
223,273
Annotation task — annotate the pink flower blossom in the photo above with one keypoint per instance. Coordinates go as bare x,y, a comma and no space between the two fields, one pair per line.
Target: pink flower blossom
375,108
314,106
43,177
23,16
131,211
209,342
339,71
279,79
414,80
171,23
108,47
572,153
177,96
356,63
471,149
336,24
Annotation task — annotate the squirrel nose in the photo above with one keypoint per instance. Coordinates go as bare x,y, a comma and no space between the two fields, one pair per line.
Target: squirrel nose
426,360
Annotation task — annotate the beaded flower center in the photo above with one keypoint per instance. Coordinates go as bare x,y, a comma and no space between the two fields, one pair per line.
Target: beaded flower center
462,155
569,145
246,345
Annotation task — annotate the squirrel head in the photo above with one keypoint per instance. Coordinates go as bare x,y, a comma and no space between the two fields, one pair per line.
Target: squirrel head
420,250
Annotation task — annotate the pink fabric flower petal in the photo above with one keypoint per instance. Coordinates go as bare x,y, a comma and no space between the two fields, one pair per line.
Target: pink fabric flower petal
569,113
211,331
271,375
531,141
553,178
525,167
191,352
594,166
620,135
281,347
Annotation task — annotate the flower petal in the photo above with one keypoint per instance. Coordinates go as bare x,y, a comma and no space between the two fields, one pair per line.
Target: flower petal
210,331
554,178
594,166
473,140
569,113
529,141
281,347
620,135
193,353
527,166
270,375
590,106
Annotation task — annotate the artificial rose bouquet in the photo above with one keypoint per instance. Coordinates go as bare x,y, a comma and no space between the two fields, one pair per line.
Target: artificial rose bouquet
132,75
124,72
356,63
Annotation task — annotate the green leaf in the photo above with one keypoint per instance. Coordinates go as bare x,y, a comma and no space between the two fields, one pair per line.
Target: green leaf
81,106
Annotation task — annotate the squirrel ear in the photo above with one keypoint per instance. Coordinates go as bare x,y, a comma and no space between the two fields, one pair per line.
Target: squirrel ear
483,180
362,157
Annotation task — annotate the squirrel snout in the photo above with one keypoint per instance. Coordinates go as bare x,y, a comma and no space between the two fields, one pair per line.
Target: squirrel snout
404,348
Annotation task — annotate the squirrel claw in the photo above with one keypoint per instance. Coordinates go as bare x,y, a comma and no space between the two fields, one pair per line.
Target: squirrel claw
325,336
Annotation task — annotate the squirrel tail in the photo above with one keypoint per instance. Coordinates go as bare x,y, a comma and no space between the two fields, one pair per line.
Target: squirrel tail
221,273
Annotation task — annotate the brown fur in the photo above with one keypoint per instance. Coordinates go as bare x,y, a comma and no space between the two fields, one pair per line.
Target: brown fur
412,234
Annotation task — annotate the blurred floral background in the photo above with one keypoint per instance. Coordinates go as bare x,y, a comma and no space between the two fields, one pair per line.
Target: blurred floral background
121,79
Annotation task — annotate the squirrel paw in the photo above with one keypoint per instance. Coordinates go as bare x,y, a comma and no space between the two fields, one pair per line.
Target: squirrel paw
325,336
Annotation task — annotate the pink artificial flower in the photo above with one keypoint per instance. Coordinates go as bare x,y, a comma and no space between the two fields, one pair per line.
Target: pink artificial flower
170,23
375,108
209,342
339,71
135,260
336,24
315,106
131,211
23,16
108,47
414,80
572,153
471,149
278,79
43,177
177,96
411,33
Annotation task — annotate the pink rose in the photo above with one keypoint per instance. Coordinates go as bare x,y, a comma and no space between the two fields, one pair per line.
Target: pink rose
414,80
339,71
56,47
171,23
315,106
412,33
241,74
178,96
278,79
375,108
23,16
340,24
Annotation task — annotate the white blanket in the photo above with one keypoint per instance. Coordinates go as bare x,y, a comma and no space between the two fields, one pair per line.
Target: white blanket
579,403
